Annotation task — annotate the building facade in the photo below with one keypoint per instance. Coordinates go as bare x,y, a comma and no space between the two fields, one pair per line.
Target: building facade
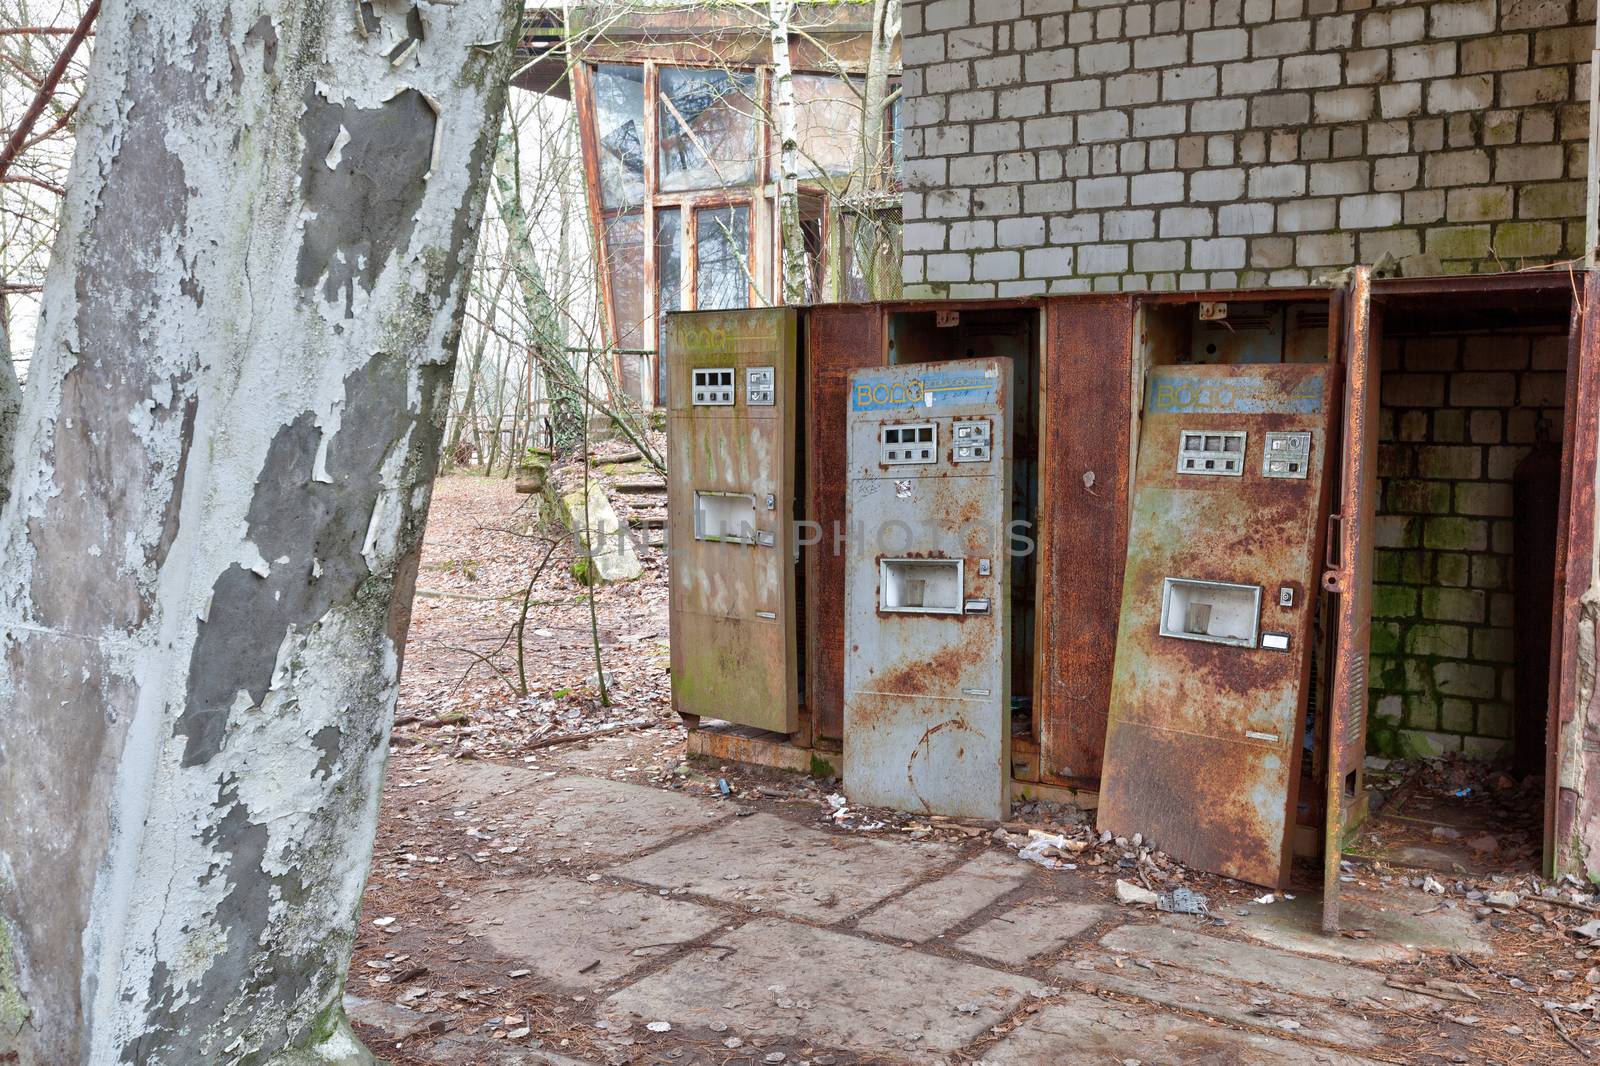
1090,145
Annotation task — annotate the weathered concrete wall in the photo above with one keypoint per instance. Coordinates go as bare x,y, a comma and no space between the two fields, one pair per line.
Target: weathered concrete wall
232,419
1067,145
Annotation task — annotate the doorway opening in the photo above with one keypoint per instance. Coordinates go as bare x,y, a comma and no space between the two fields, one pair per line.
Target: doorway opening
1471,419
926,336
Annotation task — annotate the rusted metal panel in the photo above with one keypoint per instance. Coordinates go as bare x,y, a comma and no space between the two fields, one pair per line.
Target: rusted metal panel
1086,377
1349,577
927,589
732,542
839,339
1573,781
1205,739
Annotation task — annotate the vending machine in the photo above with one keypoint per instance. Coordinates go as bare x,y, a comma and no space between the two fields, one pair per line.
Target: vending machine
927,587
1207,734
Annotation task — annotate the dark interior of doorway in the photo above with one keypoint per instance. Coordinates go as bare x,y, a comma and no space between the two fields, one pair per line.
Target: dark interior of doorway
1469,484
1012,332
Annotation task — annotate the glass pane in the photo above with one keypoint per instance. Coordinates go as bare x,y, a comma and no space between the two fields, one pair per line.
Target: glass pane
722,258
897,138
827,124
625,269
707,128
619,122
669,285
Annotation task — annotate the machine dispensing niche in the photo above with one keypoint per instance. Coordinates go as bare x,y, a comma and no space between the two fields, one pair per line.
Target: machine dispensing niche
927,630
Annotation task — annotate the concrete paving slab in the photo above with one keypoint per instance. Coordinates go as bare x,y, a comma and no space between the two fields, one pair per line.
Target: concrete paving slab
569,817
583,935
465,1050
940,905
766,862
1395,931
1241,962
1228,1001
773,979
1081,1030
1031,929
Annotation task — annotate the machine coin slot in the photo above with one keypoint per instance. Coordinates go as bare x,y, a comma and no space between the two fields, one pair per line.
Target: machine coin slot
972,441
758,386
725,516
1286,455
921,586
712,387
914,443
1213,611
1215,453
977,607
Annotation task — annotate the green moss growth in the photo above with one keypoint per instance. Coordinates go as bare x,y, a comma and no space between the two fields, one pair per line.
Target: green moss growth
821,767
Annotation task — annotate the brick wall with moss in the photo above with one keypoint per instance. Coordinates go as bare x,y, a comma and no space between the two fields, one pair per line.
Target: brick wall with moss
1460,412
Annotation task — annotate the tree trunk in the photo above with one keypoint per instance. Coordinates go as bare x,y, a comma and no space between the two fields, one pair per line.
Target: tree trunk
796,269
226,448
10,407
871,247
546,339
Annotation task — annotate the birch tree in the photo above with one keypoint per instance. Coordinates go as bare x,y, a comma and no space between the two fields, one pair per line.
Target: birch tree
794,268
222,471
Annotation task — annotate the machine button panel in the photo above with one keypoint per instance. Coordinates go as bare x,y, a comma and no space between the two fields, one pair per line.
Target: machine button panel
1218,453
1287,455
972,441
759,388
712,387
916,442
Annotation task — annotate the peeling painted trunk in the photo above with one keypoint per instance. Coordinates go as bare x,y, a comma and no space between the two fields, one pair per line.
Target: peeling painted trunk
224,460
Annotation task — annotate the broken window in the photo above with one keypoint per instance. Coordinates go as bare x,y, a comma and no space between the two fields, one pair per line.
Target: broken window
722,257
625,272
669,285
619,132
827,124
707,128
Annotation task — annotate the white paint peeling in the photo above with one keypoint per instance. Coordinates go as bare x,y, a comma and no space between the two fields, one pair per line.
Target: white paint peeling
336,153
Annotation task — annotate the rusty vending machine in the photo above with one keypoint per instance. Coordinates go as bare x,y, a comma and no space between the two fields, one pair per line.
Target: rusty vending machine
927,604
1207,737
730,444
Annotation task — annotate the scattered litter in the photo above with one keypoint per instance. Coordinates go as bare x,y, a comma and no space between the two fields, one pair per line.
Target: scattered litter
1049,851
1182,901
1503,898
1268,898
383,923
1430,885
660,1027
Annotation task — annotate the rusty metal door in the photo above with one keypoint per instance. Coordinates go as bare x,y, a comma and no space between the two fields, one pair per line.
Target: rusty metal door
927,588
839,340
1349,577
730,488
1208,702
1572,811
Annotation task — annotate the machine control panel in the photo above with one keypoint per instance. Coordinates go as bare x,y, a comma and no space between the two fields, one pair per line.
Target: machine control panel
1218,453
972,441
759,385
1287,455
907,443
712,387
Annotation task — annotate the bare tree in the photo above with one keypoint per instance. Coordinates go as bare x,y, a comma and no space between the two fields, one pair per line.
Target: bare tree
232,420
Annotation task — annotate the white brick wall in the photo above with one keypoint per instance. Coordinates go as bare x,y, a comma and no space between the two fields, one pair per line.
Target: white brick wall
1067,145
